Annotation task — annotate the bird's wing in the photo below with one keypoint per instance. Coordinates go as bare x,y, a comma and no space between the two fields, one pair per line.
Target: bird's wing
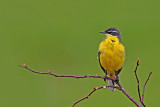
99,53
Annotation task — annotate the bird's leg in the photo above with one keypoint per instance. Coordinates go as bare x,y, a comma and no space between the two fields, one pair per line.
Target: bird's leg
105,77
117,78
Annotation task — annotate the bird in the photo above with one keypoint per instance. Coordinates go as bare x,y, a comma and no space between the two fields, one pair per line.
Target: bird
111,55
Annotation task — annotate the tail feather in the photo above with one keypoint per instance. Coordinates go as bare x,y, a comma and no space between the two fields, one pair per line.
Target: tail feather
111,83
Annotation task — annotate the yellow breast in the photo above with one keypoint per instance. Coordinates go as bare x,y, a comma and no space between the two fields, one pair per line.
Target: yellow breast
112,55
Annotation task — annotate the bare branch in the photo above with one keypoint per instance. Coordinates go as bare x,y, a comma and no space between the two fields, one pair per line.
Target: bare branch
145,85
134,101
135,72
50,73
120,88
94,89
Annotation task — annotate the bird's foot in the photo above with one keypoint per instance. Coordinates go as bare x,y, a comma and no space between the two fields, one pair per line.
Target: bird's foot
116,80
105,78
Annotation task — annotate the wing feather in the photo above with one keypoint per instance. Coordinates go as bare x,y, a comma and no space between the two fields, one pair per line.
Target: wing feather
99,53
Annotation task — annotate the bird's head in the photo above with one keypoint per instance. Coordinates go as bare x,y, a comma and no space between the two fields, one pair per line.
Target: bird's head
112,31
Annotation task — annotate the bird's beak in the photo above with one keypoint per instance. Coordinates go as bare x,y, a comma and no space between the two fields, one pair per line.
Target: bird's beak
102,32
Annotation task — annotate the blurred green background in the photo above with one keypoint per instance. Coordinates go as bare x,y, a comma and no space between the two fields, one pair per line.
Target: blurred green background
62,35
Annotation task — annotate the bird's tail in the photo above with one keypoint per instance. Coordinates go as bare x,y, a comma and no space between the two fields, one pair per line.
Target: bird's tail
111,83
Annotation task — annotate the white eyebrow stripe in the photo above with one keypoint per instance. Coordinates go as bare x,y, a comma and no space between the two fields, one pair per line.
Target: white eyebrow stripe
114,31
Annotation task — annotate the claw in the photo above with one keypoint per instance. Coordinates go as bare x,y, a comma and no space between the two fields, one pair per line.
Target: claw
116,80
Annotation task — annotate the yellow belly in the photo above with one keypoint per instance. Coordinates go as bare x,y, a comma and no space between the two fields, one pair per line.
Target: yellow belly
112,55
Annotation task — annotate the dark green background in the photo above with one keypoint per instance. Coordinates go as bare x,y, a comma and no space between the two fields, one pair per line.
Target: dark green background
62,35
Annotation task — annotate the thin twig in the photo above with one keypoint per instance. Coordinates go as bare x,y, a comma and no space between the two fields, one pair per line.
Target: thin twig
135,72
145,85
72,76
94,89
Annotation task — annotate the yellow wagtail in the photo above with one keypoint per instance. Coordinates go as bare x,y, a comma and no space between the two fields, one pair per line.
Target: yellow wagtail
111,55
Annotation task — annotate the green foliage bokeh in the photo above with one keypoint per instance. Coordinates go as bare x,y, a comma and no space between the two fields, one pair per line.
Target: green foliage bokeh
62,35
